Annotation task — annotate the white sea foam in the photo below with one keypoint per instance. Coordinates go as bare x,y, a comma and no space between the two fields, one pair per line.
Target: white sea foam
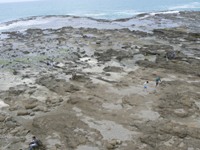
56,22
92,14
127,12
23,24
108,10
107,14
165,12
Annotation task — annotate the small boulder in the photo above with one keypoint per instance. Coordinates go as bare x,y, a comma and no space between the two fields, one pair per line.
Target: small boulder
22,113
2,118
30,106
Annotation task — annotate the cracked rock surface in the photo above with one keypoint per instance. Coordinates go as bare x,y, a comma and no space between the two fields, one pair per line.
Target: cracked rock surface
82,88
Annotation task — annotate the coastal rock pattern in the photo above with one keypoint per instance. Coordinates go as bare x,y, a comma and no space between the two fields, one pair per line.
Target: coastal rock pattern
82,88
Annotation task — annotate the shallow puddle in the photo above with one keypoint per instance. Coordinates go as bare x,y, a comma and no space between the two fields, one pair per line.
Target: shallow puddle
111,106
85,147
148,115
8,80
110,130
2,104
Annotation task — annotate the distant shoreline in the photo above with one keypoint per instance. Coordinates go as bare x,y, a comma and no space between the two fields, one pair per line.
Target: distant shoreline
77,82
139,14
145,22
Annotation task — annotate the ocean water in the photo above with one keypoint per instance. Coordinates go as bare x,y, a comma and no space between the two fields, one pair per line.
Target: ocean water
101,9
18,15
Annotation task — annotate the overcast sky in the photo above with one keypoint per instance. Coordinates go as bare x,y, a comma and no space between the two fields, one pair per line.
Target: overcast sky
10,1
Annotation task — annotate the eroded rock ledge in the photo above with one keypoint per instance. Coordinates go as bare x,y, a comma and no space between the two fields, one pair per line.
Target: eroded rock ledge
82,88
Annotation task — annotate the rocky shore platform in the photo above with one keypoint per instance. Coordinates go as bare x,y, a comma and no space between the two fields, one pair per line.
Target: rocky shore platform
82,88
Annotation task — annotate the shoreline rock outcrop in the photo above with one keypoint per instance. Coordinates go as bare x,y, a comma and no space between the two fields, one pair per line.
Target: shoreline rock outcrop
82,88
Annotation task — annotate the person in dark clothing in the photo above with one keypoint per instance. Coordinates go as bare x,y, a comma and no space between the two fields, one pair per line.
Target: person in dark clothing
33,144
158,80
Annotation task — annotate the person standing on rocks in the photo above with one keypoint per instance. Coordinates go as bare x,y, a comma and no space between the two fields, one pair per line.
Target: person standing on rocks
34,143
145,86
158,80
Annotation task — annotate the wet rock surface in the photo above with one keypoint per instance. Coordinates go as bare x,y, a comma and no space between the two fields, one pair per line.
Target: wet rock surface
82,88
